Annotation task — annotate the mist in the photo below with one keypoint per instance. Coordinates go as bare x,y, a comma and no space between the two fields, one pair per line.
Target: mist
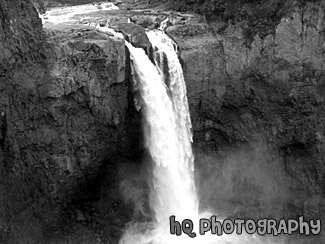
249,182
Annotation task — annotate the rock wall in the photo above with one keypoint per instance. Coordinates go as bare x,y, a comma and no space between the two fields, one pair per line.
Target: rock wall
262,104
21,36
66,114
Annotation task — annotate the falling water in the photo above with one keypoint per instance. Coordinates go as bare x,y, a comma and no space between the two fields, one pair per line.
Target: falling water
182,165
168,137
168,141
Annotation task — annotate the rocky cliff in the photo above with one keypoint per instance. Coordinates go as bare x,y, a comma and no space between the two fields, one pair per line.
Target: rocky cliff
259,107
66,111
67,119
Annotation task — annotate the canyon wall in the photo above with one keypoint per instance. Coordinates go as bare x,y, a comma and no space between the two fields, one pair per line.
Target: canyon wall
257,107
67,115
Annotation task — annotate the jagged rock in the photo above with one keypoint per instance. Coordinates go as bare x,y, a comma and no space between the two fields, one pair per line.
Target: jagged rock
204,69
270,92
65,114
134,33
146,21
20,34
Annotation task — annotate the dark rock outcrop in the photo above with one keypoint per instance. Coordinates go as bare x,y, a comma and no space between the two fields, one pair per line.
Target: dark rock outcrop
21,34
204,68
66,113
268,94
135,34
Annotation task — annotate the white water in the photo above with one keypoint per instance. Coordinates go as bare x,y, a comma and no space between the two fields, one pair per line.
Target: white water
182,165
59,15
168,138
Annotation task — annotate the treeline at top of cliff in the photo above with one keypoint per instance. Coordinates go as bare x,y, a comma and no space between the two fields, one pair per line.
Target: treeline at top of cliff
260,16
255,16
234,9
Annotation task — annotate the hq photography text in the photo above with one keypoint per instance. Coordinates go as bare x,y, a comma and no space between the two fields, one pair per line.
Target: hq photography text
240,226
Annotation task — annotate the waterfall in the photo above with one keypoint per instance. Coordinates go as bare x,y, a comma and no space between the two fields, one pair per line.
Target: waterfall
181,167
168,136
167,127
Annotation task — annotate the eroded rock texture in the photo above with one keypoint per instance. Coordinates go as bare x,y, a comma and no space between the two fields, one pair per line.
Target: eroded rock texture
64,117
266,98
67,116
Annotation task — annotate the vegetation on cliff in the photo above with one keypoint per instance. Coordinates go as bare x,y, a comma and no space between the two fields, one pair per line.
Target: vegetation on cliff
259,16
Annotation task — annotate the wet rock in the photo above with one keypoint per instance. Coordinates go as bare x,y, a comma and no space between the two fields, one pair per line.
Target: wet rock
134,34
146,21
204,70
267,93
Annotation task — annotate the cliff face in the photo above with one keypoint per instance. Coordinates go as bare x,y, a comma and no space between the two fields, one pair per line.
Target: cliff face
284,69
67,116
20,34
266,98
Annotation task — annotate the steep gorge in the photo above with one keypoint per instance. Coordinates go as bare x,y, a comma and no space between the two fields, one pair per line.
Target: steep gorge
263,100
68,119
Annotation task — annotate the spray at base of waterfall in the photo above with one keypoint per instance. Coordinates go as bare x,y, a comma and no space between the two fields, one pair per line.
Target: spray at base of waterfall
168,137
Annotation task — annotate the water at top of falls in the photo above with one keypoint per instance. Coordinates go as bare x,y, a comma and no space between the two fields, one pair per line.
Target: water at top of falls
168,137
67,14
